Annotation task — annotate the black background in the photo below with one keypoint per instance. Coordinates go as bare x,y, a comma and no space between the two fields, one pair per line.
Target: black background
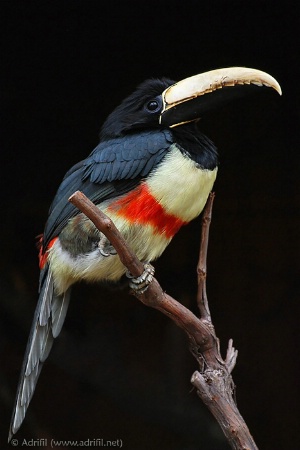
120,370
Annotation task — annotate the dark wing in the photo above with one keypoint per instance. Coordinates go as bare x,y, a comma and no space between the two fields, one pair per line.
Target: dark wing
113,168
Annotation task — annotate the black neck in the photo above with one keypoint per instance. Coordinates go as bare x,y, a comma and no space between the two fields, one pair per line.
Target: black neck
194,143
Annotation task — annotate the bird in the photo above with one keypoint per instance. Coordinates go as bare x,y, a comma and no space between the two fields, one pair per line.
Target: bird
151,173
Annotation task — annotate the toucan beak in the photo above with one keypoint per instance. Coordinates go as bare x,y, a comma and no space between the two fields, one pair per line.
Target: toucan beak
186,100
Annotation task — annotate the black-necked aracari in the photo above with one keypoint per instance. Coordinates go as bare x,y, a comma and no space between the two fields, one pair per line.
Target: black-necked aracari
151,174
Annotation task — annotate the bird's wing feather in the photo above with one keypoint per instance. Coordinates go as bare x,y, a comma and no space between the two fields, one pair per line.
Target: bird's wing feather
113,168
47,323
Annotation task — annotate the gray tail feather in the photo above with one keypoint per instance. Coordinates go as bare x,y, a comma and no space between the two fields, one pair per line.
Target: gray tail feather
47,323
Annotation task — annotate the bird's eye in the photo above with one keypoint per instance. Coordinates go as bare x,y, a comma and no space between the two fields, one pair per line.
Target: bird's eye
153,105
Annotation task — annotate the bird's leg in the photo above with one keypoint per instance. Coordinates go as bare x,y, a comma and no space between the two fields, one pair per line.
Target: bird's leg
140,284
105,247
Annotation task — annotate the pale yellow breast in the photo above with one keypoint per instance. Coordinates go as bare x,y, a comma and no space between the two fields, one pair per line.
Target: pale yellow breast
180,186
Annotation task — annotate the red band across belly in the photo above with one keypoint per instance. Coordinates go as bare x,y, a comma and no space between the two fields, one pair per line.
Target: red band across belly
139,206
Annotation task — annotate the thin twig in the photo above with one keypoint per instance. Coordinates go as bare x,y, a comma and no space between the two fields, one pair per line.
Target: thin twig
214,383
202,262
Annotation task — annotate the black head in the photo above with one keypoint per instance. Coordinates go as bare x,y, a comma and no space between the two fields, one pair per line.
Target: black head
139,110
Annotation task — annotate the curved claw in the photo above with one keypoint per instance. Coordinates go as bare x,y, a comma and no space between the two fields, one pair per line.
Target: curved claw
140,284
105,247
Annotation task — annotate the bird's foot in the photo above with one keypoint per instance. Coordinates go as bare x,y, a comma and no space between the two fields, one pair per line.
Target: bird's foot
140,284
105,247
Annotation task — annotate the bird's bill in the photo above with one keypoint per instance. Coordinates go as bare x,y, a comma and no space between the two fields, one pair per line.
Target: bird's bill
186,100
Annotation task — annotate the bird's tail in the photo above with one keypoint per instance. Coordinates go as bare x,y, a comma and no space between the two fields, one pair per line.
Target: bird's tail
48,320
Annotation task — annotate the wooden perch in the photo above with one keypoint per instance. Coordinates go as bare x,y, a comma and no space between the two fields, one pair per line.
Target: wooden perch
213,381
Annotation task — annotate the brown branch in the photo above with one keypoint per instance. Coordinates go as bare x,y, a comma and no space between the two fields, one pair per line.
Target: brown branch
154,296
213,382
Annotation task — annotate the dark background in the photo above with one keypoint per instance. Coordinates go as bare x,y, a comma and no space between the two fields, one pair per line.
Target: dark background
120,370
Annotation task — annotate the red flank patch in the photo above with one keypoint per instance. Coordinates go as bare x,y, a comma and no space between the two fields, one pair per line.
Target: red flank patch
43,256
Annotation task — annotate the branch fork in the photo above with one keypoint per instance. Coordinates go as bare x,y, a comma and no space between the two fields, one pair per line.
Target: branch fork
213,381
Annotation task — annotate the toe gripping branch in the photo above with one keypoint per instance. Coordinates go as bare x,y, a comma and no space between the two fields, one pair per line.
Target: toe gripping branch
140,284
105,247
